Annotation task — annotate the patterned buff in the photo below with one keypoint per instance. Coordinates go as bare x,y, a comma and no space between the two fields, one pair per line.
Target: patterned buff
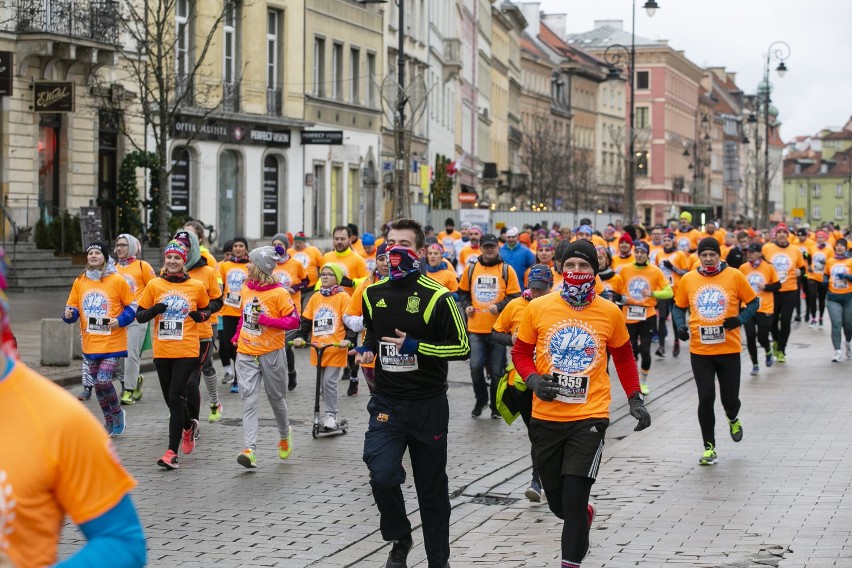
402,261
579,289
711,270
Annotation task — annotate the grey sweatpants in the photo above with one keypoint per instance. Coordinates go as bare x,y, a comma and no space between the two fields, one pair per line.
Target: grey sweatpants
330,378
271,369
128,370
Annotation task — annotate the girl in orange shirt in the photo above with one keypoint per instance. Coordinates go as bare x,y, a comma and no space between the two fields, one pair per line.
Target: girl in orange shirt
101,299
268,312
233,272
838,278
294,278
176,303
439,270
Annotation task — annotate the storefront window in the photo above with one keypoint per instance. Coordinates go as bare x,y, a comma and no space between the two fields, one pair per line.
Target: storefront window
274,192
229,223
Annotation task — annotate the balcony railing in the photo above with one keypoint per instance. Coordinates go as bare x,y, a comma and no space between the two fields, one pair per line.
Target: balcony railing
183,90
95,20
273,102
231,97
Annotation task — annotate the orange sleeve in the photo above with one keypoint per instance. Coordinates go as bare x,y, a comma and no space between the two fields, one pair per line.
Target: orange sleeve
464,283
504,320
74,296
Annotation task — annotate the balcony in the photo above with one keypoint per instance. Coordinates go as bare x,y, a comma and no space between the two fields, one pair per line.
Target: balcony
98,21
231,97
515,135
273,102
452,58
183,90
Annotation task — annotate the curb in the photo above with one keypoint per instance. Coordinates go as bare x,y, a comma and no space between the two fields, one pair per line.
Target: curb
69,378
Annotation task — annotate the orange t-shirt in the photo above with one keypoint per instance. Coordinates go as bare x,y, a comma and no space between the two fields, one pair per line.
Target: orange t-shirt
326,315
679,260
786,261
136,274
654,251
819,256
687,241
175,335
369,258
356,308
446,278
311,258
468,255
834,267
290,273
65,464
638,279
260,339
509,321
618,262
710,300
352,263
209,277
761,276
572,346
234,276
98,300
487,289
455,235
719,235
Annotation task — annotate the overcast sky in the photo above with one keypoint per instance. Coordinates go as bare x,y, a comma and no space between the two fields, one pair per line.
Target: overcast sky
815,93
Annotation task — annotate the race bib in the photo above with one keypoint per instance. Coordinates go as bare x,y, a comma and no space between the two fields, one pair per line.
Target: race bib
232,299
100,326
169,330
711,334
840,283
573,389
486,289
395,362
323,326
637,313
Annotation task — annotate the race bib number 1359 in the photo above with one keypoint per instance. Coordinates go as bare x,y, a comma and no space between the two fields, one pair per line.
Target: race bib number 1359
573,389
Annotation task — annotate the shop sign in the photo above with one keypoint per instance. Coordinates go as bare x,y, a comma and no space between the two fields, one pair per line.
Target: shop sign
467,198
52,96
333,137
180,181
233,132
6,73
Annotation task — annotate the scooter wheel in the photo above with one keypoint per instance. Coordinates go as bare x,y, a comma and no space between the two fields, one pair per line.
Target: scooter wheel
315,431
344,430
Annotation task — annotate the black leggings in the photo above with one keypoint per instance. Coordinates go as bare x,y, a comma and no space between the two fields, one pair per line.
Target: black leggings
663,309
785,304
227,351
570,503
706,369
757,331
174,375
802,286
193,385
640,340
816,295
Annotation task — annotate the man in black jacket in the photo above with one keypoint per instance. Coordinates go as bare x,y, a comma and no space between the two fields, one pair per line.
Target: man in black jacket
413,329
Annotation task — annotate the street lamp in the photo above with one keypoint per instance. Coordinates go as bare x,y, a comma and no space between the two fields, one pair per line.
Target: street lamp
618,55
777,51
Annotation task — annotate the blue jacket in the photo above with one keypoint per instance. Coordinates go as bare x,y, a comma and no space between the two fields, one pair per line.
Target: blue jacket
520,258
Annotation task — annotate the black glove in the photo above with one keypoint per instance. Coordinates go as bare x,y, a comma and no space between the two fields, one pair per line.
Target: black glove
159,308
617,298
683,333
731,323
639,412
543,386
668,264
197,316
607,295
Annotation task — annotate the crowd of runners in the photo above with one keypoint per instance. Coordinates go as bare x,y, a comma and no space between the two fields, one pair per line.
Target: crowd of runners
538,312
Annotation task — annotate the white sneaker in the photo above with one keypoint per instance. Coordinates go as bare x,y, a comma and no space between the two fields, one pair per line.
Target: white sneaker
329,422
836,358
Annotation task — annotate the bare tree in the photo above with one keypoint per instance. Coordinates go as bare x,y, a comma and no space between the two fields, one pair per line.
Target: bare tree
546,158
582,181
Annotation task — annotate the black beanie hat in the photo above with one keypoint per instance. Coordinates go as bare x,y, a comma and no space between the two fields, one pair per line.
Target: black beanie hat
709,243
583,249
98,246
241,240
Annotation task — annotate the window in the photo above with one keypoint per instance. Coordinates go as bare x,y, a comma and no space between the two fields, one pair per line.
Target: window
643,80
823,168
229,27
319,67
641,117
817,190
371,80
355,76
337,71
183,37
337,201
272,28
838,212
641,161
838,190
817,212
801,190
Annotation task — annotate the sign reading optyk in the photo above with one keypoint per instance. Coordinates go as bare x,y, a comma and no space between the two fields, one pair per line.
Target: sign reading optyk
52,96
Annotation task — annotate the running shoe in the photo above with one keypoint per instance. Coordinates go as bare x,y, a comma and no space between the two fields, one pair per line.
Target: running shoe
533,492
215,413
477,409
655,337
676,349
797,319
127,398
755,370
329,422
398,556
836,358
235,389
119,423
187,444
247,459
813,323
736,429
353,388
780,357
592,511
644,388
85,394
169,460
820,324
285,446
849,349
108,423
709,455
291,381
769,359
137,392
228,378
660,352
774,348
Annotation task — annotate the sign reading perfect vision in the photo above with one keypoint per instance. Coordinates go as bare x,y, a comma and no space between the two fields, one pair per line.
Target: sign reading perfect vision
5,73
333,137
53,96
229,131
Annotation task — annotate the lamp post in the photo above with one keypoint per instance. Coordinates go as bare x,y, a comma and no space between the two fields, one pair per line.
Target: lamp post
619,55
777,51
